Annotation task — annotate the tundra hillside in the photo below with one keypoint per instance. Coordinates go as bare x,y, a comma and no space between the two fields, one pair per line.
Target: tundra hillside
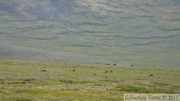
145,33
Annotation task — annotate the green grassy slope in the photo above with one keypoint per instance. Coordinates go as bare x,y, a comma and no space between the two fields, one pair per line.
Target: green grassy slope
26,81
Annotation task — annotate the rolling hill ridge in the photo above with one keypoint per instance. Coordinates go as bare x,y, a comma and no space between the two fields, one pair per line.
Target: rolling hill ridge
143,33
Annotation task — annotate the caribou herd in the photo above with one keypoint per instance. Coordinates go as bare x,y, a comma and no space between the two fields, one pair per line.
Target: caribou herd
94,74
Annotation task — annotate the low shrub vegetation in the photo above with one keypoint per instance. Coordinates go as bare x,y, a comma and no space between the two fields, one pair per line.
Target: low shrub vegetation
25,81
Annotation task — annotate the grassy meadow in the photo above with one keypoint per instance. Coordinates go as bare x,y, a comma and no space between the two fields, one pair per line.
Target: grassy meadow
54,81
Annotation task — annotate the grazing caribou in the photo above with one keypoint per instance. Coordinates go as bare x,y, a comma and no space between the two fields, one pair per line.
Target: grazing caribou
114,64
111,71
94,74
73,70
43,69
106,72
150,75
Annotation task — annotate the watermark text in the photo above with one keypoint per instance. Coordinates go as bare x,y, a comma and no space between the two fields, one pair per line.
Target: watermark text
151,97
